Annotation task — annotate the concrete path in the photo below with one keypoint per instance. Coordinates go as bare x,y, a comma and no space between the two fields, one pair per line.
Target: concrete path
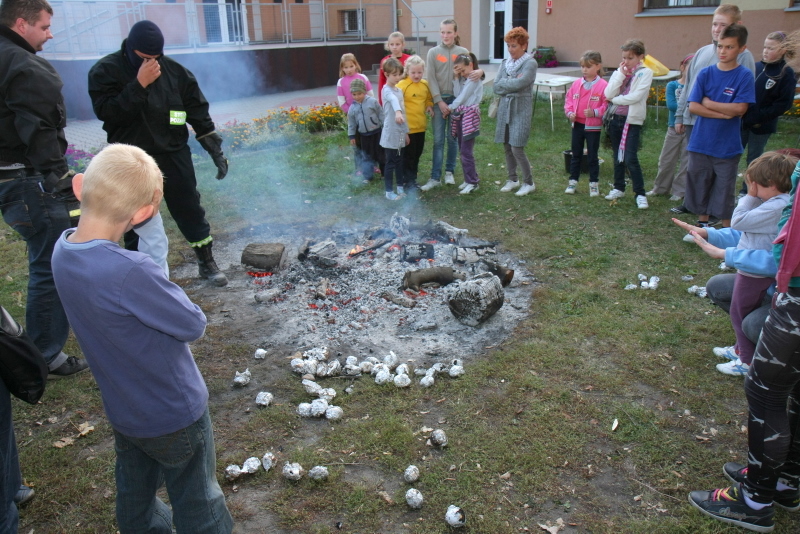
89,134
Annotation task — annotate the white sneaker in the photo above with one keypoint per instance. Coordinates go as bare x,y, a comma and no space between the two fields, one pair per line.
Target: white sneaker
510,186
469,188
615,194
401,190
430,185
525,189
641,202
462,185
573,185
449,179
651,193
391,196
594,189
675,198
725,352
734,368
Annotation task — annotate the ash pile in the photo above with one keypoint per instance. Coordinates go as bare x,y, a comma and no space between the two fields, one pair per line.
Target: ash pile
424,290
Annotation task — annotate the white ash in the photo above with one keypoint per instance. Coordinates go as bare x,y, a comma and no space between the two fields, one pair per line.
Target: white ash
455,516
318,353
631,286
401,369
653,282
351,360
268,461
318,472
439,438
333,413
366,367
242,379
293,471
687,278
411,474
260,354
251,465
391,360
414,498
264,398
642,277
353,370
699,291
232,472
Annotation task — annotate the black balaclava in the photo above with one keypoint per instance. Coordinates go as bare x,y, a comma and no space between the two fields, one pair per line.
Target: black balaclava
145,37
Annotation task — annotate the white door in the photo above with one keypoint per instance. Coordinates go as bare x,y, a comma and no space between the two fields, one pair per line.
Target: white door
505,15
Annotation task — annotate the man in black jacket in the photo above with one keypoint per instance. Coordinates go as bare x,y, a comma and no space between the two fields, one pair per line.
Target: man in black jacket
145,99
33,170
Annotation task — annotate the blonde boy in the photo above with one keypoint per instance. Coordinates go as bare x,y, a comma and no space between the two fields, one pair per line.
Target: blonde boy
134,327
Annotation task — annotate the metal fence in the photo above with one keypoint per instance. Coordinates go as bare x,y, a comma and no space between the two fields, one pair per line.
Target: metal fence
94,28
663,4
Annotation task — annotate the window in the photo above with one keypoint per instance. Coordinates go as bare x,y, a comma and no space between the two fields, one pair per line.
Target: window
663,4
352,21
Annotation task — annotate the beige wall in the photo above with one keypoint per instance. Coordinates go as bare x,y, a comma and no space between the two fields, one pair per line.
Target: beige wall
578,25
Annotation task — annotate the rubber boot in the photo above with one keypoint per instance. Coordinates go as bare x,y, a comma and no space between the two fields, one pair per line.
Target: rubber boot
208,267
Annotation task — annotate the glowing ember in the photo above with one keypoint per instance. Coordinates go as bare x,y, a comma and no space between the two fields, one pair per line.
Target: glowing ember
255,274
355,250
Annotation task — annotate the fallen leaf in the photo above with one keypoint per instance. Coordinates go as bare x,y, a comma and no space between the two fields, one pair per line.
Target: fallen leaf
85,428
506,475
614,425
554,529
63,442
385,496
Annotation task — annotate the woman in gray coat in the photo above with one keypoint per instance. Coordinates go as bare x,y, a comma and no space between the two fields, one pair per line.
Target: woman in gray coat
514,84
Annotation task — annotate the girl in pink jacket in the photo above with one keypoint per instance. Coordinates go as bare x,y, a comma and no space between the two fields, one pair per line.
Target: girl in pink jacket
584,105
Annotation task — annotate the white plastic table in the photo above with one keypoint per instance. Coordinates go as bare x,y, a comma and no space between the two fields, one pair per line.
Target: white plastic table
552,82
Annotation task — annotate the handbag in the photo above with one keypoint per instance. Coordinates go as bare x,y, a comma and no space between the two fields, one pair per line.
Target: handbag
609,115
22,366
492,113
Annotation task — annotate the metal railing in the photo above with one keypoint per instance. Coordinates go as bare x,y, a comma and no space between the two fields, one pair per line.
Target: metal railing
664,4
417,21
83,28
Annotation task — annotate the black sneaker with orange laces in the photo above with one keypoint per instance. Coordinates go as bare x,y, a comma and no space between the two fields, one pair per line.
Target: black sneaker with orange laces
728,505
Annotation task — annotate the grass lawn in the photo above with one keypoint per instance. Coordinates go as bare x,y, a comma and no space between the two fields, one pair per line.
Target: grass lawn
530,424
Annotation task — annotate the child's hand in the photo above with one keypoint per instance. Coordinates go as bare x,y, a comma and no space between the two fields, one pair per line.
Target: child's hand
588,112
571,116
429,111
352,142
752,188
443,108
408,139
702,232
476,74
708,248
398,117
623,68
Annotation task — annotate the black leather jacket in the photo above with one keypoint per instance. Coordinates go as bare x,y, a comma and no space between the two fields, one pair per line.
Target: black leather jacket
32,112
149,118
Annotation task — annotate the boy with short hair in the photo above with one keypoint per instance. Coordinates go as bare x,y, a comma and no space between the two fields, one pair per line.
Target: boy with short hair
365,118
720,96
134,327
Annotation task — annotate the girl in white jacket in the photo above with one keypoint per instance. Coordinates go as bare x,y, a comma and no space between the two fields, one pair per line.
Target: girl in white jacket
627,91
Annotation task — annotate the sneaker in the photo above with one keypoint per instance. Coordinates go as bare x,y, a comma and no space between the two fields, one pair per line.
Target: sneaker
675,198
679,209
525,189
641,202
449,179
727,505
366,182
71,366
651,193
401,190
725,352
615,194
430,185
510,186
469,188
462,185
391,196
573,185
788,499
24,495
734,368
594,189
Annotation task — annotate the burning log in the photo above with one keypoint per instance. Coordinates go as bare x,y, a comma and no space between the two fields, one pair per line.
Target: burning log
439,275
302,252
361,250
472,254
503,273
323,253
264,256
475,300
321,291
400,300
417,251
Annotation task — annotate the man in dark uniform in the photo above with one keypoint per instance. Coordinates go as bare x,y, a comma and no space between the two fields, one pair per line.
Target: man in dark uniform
145,99
33,169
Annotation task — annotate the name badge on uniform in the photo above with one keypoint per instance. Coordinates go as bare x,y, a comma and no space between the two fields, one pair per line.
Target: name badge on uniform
594,98
177,118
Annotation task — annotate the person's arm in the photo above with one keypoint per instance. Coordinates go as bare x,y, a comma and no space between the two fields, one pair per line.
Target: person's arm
352,123
731,109
614,84
754,261
753,215
340,95
193,100
430,75
723,237
29,100
672,102
114,101
467,94
526,75
570,106
640,88
699,109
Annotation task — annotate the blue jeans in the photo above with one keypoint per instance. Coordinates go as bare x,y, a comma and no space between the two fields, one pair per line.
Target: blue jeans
10,478
631,161
39,219
441,134
187,462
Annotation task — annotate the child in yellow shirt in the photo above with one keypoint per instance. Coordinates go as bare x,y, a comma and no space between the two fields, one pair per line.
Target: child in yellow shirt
419,103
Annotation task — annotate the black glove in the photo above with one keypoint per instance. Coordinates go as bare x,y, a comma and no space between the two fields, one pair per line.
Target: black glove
212,143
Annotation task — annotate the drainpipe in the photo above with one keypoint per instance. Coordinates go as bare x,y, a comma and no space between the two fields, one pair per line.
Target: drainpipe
394,15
